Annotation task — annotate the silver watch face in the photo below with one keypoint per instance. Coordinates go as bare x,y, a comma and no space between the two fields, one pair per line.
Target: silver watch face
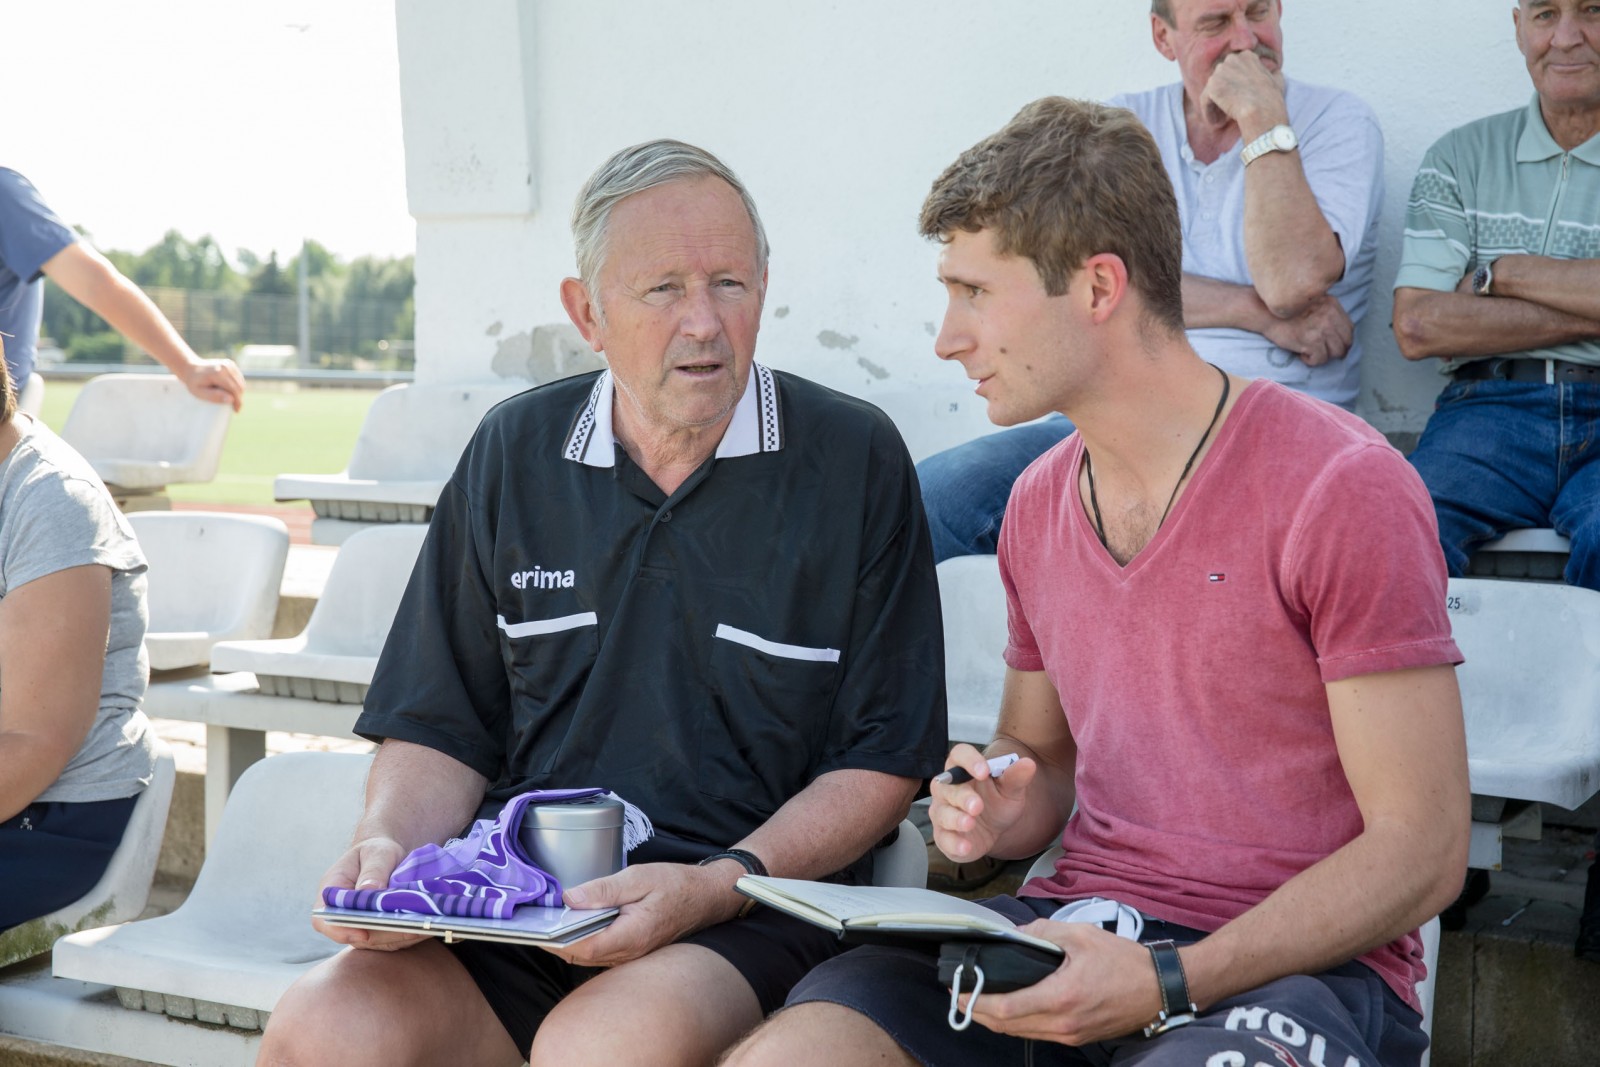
1283,138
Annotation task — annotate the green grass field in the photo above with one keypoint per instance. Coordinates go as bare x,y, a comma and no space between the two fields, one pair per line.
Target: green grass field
282,430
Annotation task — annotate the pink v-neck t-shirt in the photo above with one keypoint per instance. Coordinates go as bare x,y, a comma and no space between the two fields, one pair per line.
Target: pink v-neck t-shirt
1303,552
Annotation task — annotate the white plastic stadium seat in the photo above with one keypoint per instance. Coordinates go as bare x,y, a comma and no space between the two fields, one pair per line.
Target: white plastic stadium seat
143,432
904,861
123,889
237,717
213,577
1530,688
409,444
30,395
244,934
334,657
973,603
1537,554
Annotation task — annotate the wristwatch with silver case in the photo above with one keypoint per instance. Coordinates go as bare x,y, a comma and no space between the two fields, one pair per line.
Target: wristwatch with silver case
1483,279
1280,138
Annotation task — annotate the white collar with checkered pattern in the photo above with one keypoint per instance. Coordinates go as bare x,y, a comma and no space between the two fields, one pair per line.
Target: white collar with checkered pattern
757,424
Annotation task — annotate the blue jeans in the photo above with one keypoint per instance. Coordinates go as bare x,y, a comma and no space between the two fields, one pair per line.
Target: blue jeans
1499,456
965,488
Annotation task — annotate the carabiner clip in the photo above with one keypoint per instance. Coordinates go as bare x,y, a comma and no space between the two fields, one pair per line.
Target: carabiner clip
958,1021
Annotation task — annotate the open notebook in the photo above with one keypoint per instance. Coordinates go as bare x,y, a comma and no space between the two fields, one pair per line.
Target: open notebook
529,926
886,914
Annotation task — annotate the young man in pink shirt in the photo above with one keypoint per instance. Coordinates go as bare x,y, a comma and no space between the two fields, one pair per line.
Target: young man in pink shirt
1246,716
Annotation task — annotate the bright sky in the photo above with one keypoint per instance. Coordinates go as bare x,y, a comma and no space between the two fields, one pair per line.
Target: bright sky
256,121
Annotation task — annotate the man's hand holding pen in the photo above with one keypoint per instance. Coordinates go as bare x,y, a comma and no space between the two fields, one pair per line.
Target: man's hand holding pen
976,800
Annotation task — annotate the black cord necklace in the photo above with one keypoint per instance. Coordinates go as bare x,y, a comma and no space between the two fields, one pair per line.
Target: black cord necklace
1088,464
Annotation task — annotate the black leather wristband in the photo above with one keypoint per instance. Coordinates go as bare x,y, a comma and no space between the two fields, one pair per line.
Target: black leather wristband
1176,1007
748,860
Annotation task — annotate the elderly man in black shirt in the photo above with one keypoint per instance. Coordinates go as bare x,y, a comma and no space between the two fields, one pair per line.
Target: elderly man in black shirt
699,582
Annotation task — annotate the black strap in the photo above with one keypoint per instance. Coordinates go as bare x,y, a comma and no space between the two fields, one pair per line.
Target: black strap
1176,1007
752,865
748,860
1525,370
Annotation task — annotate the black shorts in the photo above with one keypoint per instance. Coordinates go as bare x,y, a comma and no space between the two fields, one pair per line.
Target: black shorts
1344,1012
523,984
53,853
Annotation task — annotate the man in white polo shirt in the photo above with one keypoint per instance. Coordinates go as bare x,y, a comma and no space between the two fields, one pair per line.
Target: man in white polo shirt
1279,189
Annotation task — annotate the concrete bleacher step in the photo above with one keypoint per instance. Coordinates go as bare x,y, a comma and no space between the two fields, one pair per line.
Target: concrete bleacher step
372,510
193,1010
324,689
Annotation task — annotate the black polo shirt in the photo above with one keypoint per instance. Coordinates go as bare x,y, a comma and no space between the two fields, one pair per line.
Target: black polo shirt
705,655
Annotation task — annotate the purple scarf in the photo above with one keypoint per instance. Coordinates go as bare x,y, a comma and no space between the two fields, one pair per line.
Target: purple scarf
484,874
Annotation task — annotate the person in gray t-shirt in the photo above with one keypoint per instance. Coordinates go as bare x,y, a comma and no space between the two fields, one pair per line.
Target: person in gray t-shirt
75,750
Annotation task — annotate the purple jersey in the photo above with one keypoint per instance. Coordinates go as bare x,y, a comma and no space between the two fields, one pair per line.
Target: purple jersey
484,874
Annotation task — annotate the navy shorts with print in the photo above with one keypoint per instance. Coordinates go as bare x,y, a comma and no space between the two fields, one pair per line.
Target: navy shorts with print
53,852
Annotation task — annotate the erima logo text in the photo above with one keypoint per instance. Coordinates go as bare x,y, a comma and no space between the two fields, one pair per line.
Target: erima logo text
538,578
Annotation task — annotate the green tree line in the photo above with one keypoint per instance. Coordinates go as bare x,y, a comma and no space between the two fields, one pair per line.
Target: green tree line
362,310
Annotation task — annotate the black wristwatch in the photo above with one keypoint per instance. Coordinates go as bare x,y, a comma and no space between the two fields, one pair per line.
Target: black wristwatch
1483,279
1176,1007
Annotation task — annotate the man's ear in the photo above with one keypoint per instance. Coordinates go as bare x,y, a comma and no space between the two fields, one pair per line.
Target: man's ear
1161,34
581,310
1106,280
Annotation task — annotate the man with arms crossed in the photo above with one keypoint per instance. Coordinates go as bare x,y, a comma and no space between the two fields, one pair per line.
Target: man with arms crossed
1500,279
744,641
1279,187
1249,701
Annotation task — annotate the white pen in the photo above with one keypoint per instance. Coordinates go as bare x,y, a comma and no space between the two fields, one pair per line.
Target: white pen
957,775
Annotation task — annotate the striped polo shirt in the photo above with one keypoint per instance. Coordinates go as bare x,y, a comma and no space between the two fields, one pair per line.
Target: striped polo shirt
1501,186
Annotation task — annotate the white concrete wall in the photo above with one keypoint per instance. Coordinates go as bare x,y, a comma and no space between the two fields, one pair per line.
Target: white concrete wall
838,116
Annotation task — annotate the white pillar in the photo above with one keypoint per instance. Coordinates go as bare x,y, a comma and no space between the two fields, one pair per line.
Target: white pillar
466,73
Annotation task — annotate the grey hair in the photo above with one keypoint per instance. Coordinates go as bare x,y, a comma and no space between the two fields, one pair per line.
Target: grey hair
633,170
1162,9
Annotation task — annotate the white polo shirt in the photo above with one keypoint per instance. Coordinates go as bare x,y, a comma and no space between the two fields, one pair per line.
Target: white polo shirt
1341,151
